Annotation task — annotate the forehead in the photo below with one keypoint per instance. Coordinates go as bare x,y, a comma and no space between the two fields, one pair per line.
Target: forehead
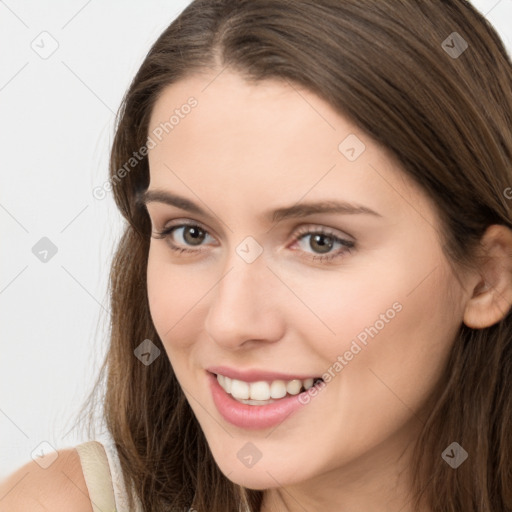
249,142
234,115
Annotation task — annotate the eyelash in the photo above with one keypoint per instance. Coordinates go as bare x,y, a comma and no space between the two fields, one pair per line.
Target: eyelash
347,244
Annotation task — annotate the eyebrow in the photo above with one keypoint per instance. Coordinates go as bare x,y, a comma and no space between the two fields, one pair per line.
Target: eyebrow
277,215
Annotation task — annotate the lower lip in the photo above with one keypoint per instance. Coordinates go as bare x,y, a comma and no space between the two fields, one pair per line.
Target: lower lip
252,417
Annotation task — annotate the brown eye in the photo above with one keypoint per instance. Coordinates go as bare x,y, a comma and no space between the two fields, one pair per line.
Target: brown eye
193,235
321,243
184,237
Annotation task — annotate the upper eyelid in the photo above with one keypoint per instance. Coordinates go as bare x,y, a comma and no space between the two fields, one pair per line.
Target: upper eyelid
180,223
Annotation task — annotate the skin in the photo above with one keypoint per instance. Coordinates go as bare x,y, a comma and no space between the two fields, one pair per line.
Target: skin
248,148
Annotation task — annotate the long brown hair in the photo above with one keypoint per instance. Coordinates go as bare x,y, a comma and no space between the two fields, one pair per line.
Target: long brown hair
445,112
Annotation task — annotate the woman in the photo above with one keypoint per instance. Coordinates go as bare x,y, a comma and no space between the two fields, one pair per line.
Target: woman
310,301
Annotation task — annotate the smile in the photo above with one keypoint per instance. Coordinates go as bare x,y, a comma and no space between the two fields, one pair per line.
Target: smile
263,392
259,404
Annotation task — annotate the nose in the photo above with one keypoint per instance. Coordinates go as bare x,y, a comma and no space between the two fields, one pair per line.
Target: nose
245,306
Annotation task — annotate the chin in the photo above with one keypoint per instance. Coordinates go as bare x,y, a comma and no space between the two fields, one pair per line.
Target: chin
257,481
267,473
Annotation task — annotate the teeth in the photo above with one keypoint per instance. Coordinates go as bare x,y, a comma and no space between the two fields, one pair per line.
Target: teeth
261,392
293,387
239,389
257,402
278,389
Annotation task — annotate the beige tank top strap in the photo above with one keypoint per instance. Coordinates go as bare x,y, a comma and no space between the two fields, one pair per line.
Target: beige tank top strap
97,476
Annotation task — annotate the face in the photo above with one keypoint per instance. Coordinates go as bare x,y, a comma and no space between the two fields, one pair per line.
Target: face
295,249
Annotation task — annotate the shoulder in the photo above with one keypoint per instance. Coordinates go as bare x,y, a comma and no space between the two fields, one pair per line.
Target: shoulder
60,487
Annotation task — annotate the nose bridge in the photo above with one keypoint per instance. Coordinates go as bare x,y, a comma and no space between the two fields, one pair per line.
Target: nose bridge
240,309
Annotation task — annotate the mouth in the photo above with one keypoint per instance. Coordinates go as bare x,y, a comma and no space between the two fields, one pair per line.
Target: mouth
262,404
264,392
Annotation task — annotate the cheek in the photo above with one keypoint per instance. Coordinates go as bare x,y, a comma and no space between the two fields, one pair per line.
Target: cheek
394,356
396,323
390,300
344,306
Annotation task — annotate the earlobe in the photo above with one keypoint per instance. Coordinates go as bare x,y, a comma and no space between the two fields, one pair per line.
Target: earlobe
491,297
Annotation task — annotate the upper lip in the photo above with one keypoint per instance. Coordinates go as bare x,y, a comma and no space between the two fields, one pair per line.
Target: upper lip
256,375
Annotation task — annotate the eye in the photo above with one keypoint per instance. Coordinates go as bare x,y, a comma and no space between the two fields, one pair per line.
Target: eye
322,242
187,234
189,237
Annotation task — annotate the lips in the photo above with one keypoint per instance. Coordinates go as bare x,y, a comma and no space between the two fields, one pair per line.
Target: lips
254,413
258,375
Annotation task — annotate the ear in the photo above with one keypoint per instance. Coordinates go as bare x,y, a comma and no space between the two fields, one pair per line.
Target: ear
491,297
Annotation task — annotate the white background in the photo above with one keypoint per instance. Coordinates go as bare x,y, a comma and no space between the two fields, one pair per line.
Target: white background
56,127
